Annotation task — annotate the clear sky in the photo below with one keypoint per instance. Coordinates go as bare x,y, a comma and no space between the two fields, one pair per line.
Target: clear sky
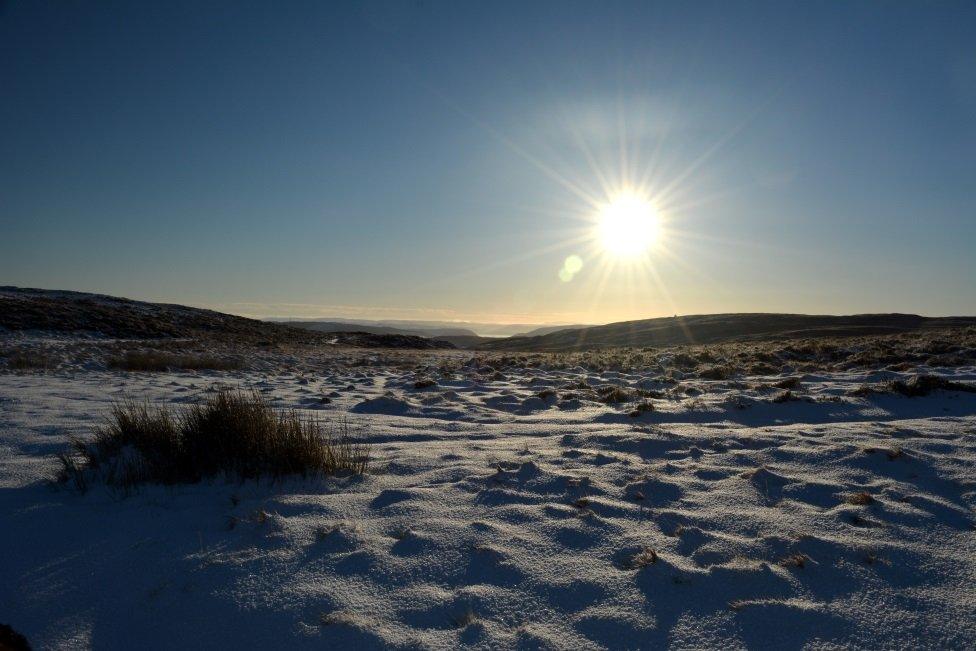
452,160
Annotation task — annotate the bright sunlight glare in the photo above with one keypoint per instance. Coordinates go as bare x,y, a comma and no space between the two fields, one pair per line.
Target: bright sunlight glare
628,226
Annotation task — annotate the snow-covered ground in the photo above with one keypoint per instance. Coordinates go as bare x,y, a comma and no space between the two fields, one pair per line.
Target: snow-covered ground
502,515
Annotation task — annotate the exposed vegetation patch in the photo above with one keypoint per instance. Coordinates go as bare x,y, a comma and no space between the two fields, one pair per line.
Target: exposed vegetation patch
914,387
231,433
715,372
29,361
893,453
339,618
157,361
794,560
465,619
641,408
612,395
787,383
948,347
862,498
783,396
923,385
642,559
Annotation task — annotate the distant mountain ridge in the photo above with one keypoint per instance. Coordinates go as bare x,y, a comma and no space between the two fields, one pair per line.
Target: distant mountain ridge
714,328
26,309
546,330
457,336
342,326
425,328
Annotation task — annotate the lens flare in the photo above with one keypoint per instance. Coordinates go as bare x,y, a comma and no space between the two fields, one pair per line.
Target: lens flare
571,267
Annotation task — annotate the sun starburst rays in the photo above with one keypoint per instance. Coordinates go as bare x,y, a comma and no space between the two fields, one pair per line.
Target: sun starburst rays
625,206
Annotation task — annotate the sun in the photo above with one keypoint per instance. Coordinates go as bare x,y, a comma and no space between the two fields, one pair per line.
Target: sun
628,226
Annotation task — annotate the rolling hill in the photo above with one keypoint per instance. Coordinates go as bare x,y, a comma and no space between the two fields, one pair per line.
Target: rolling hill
83,314
714,328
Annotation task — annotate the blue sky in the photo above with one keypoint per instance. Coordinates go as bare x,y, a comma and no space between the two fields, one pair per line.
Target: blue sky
442,160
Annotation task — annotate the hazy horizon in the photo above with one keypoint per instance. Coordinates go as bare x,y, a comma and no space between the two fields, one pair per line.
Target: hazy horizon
484,327
548,163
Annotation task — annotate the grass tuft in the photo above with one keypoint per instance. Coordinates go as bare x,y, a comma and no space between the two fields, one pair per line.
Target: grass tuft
794,560
787,383
231,433
862,498
715,372
465,619
642,559
641,408
612,395
338,618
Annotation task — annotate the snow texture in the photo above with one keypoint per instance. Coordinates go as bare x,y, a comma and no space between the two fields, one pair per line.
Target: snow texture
501,515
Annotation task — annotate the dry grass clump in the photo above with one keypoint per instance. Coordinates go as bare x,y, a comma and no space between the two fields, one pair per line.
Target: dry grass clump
862,391
582,503
465,619
651,393
29,360
715,372
794,560
579,385
641,408
612,395
787,383
160,361
231,433
893,453
914,387
339,618
763,368
641,559
862,498
923,385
